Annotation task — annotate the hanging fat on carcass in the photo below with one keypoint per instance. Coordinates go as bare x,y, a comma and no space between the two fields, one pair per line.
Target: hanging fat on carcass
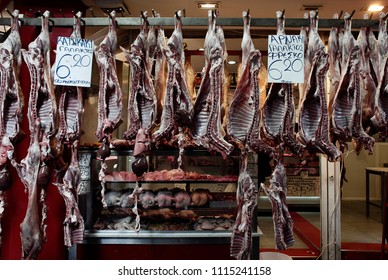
347,113
380,118
70,109
11,102
206,128
243,121
156,63
313,113
109,92
279,109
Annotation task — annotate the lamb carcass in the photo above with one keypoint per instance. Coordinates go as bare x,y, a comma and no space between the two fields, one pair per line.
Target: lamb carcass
381,98
277,192
244,113
246,197
313,113
109,94
279,109
177,107
206,128
347,113
142,99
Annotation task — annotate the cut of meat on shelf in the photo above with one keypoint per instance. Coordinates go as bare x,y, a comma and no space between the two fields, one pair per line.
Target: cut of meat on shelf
142,99
347,112
109,93
206,129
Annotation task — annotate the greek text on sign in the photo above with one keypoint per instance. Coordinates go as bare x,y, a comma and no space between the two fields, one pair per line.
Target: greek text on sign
285,59
73,62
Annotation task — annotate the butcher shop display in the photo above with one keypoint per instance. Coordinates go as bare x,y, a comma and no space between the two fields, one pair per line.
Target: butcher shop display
188,157
12,103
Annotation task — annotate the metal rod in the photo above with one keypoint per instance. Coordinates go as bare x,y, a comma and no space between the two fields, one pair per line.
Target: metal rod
188,21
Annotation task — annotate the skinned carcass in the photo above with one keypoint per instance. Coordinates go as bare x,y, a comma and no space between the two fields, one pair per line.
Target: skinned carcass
347,113
11,104
246,197
279,109
70,109
244,113
206,128
313,112
109,94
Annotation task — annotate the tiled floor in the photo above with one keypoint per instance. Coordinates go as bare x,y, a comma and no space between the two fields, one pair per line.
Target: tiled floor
355,226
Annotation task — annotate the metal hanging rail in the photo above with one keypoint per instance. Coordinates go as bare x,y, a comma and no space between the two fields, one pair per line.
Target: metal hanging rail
189,21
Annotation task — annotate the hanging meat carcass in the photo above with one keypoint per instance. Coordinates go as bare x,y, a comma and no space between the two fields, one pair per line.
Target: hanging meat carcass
73,225
11,102
279,108
244,113
70,109
246,197
347,113
368,77
313,113
35,169
206,128
177,108
156,63
31,233
334,72
277,192
142,99
109,94
381,98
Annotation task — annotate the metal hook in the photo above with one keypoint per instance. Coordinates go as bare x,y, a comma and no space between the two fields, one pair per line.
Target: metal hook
8,11
91,11
283,13
340,15
351,15
153,13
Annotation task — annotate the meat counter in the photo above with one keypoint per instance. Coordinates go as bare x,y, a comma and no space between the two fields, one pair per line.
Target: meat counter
166,207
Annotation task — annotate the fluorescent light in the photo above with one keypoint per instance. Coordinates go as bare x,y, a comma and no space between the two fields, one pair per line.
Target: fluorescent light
201,49
208,6
231,62
375,8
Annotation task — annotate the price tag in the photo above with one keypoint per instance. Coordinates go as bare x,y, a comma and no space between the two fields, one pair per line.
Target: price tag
285,58
73,64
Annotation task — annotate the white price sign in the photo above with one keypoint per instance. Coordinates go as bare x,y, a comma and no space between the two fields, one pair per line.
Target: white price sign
285,59
73,64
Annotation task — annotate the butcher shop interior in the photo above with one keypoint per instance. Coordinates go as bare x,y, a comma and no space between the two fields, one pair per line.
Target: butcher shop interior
193,130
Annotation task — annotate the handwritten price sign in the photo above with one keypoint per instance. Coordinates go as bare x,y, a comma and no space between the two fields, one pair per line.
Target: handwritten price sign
73,64
285,59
